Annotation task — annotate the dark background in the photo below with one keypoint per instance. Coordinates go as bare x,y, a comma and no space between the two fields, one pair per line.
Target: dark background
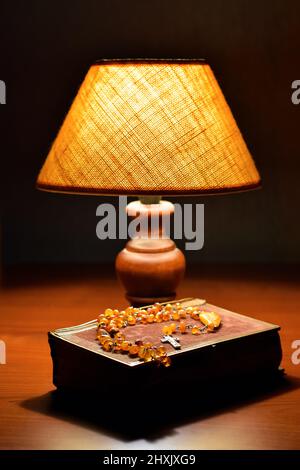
46,48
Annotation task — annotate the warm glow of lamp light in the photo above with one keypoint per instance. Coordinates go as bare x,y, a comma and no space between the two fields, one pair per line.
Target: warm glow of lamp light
145,127
149,127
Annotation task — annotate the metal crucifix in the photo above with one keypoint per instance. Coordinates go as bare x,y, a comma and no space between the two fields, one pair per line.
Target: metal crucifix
173,341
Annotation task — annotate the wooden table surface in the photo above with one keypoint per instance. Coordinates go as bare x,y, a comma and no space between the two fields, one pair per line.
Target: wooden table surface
33,301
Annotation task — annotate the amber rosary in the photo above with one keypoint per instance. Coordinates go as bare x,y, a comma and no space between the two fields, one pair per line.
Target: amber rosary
112,321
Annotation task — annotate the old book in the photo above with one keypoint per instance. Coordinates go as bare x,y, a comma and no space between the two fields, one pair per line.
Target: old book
241,347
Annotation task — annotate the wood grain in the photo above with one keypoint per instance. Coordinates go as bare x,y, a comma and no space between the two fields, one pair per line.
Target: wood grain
36,300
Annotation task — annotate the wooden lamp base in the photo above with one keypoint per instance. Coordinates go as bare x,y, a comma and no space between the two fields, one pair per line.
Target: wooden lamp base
150,267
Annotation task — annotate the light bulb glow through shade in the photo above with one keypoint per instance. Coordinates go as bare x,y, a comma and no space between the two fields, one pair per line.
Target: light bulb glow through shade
149,127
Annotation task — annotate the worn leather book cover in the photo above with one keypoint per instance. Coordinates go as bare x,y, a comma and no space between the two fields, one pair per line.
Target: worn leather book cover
242,346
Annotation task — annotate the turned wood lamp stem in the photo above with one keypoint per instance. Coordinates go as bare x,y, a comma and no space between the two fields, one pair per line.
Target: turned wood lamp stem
150,266
150,199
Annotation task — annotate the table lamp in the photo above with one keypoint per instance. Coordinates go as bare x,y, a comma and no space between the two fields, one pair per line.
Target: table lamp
149,128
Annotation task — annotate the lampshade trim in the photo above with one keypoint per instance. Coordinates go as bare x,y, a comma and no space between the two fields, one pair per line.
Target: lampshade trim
145,61
129,192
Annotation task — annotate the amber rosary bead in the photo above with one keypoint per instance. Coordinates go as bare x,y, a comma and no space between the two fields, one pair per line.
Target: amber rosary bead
112,320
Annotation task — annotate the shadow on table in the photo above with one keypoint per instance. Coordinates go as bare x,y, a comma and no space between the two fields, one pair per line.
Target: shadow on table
156,415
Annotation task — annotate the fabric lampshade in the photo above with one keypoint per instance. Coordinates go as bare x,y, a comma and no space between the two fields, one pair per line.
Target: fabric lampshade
149,127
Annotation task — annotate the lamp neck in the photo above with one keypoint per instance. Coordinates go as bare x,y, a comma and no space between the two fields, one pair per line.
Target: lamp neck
152,217
150,199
